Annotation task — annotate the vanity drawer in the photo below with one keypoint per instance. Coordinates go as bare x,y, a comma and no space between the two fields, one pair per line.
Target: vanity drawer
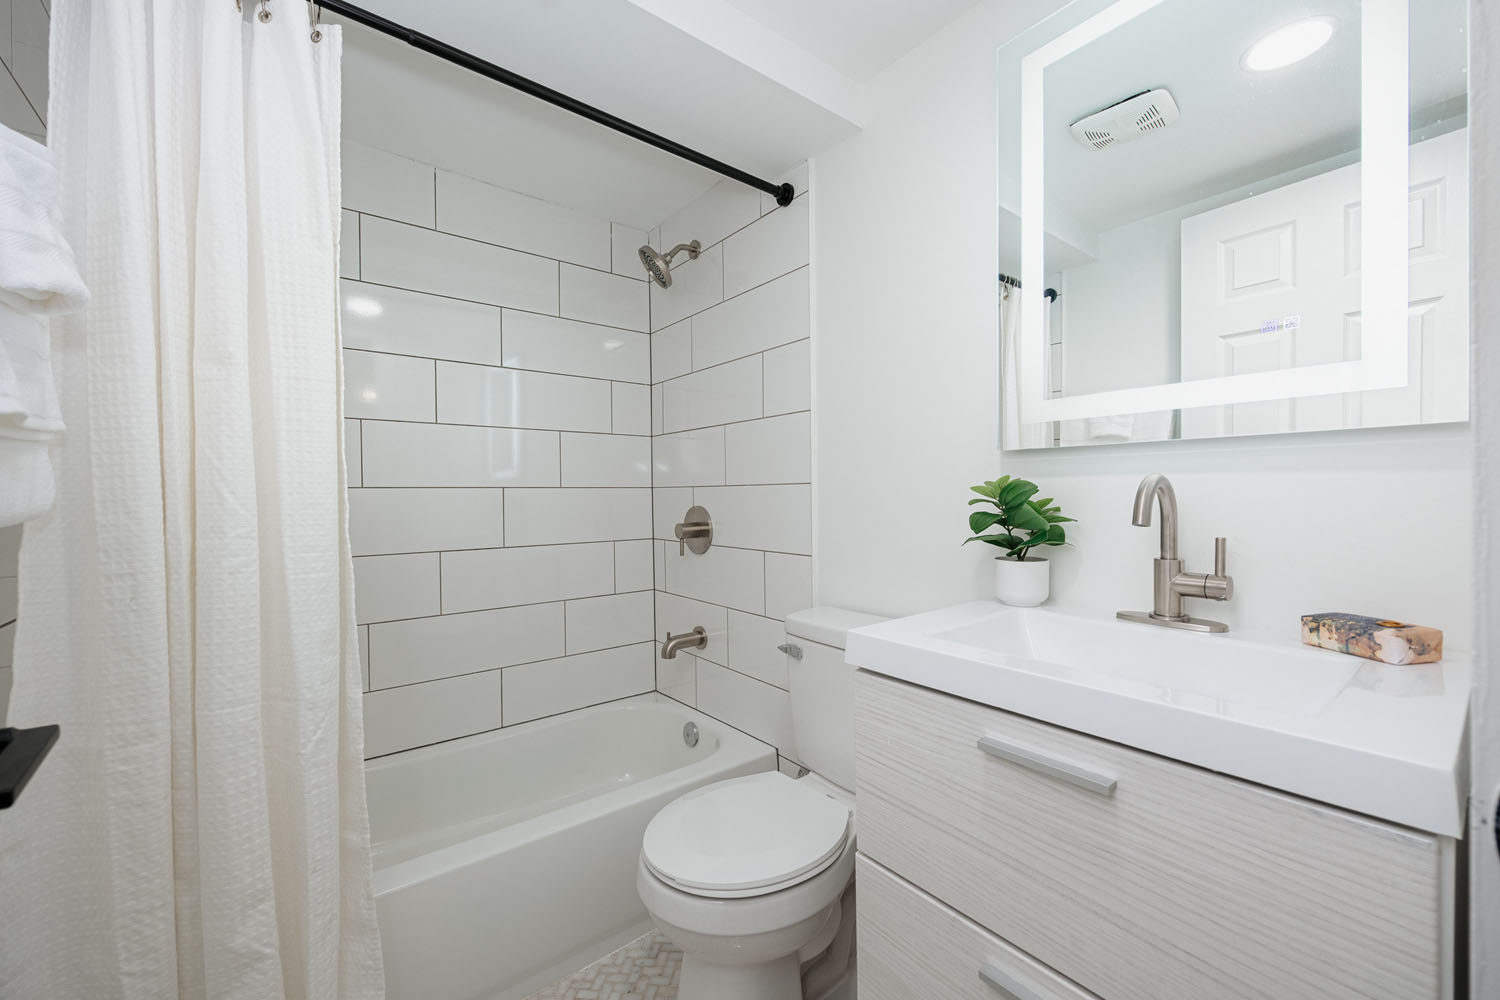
911,947
1173,883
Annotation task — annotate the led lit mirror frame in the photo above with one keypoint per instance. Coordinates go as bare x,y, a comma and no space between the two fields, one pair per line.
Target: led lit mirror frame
1384,169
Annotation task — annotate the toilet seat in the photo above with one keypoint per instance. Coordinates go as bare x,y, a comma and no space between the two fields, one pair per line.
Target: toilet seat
747,836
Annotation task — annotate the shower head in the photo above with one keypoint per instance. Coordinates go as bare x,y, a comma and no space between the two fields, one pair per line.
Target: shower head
659,265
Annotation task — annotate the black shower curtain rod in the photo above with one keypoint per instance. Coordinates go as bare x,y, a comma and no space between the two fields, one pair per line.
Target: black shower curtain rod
458,57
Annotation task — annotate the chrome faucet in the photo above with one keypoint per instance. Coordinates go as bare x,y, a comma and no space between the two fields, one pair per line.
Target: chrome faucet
1171,581
696,639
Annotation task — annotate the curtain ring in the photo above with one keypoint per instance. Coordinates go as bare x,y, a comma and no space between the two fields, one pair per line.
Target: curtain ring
317,16
265,11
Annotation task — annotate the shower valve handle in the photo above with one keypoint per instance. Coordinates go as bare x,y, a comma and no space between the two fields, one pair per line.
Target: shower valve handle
695,531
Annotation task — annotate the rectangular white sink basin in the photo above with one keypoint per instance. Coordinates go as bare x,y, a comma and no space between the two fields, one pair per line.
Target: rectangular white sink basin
1167,665
1379,739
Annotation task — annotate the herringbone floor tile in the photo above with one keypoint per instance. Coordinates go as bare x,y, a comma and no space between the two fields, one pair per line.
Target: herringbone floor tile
647,968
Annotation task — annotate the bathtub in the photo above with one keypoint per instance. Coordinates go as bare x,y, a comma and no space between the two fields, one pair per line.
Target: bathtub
506,860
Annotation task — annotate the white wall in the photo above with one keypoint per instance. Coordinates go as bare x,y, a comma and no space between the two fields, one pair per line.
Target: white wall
497,388
906,403
1484,889
731,414
23,106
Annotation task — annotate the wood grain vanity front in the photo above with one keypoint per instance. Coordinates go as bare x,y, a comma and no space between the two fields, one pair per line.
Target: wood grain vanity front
910,946
1174,884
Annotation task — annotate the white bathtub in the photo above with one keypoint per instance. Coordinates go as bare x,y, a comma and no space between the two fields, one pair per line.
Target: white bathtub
506,860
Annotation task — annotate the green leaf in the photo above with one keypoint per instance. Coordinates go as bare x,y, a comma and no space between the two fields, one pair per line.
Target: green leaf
985,490
1041,505
1057,519
1018,492
1056,535
980,520
1003,541
1026,518
980,500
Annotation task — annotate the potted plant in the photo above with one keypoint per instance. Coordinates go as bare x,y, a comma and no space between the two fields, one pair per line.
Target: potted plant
1022,524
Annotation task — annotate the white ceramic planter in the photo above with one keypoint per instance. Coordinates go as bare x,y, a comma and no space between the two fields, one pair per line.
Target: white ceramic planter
1023,583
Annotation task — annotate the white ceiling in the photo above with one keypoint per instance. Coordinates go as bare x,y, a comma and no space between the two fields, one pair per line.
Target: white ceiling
858,38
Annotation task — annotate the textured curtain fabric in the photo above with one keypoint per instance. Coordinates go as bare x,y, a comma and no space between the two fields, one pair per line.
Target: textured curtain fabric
187,608
1015,434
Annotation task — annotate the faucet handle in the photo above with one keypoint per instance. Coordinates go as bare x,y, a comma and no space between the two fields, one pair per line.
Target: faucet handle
1219,585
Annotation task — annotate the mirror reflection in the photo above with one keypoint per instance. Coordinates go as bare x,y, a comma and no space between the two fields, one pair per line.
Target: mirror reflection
1202,176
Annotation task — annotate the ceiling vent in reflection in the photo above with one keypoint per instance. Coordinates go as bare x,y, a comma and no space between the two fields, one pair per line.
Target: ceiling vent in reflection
1130,119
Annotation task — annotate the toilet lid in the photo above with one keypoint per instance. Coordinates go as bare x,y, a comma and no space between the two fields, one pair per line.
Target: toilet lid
746,833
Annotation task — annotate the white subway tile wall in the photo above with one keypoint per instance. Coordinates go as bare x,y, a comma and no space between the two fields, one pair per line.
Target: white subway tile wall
497,384
23,107
732,424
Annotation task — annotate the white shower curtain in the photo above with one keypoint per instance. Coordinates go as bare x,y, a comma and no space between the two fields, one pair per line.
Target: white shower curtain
1013,433
186,611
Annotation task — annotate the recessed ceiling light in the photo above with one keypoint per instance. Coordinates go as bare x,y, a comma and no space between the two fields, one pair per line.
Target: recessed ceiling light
1289,44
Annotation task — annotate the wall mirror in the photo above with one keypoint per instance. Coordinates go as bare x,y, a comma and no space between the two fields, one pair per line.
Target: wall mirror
1220,218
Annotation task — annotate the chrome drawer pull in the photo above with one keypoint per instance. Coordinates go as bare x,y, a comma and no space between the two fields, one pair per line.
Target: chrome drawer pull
1006,985
1074,774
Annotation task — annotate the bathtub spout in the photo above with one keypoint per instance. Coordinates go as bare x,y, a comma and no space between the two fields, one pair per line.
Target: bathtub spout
696,639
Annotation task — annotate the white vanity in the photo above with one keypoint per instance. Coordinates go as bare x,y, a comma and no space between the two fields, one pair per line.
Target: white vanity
1055,807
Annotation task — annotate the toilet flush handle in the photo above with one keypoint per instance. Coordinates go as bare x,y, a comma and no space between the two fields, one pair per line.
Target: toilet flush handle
791,649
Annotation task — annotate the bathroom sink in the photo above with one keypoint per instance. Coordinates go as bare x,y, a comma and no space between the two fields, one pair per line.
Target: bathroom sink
1377,738
1172,666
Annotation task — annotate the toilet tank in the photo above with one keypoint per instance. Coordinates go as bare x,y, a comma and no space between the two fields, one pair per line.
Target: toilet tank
822,690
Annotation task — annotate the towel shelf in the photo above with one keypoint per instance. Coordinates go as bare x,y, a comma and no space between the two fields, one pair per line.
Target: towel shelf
21,753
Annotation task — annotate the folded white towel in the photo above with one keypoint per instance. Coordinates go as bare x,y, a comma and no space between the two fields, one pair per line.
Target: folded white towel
27,487
28,398
38,277
1115,427
37,270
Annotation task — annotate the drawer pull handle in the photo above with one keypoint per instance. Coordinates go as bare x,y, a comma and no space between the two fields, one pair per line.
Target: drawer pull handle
1063,770
1006,985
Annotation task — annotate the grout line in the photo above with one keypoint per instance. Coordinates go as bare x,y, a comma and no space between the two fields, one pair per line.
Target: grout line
516,548
492,305
527,663
514,607
730,361
731,298
494,487
499,728
488,243
22,91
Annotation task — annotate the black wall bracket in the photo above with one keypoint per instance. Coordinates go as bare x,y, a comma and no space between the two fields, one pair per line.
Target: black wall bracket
21,753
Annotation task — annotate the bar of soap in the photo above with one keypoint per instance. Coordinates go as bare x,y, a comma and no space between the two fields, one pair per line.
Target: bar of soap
1373,638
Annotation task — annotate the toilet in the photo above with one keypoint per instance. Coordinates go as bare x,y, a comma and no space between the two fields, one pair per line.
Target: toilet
751,877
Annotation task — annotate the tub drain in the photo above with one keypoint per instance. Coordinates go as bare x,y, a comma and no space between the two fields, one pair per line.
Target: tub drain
690,734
